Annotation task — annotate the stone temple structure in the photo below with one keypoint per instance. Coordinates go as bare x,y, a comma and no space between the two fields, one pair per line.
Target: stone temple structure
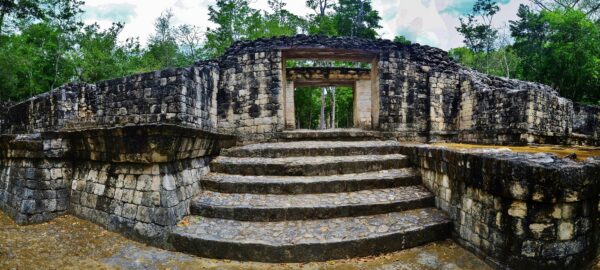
205,159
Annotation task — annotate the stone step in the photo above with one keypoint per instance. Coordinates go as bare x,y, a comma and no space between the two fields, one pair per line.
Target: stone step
275,207
314,148
308,166
309,240
266,184
330,135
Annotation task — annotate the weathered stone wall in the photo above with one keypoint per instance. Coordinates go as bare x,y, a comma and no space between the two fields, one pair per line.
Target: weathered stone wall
524,211
139,200
183,96
404,97
34,177
86,149
334,74
445,98
492,110
423,96
490,114
549,117
137,179
250,99
586,124
3,115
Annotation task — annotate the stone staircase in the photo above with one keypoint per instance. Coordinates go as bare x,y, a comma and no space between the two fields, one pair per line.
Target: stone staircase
310,201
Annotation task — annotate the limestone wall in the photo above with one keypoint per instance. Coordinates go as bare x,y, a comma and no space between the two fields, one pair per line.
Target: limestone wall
586,124
491,115
444,107
3,115
183,96
422,96
250,98
519,210
549,117
139,200
137,180
125,153
34,177
404,97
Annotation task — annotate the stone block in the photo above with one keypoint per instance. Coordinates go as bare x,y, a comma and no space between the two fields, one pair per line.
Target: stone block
566,230
144,214
129,211
545,231
518,209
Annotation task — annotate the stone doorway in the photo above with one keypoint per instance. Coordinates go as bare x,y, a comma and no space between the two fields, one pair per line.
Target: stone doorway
364,82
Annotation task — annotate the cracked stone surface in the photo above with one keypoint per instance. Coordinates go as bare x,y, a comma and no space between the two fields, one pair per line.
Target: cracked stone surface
375,196
320,165
331,134
309,231
274,207
291,161
262,184
314,148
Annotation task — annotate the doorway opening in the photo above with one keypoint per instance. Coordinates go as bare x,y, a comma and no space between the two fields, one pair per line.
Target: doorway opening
324,107
330,88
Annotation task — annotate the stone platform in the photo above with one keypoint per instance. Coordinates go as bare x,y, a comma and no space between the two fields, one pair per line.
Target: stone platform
309,201
137,154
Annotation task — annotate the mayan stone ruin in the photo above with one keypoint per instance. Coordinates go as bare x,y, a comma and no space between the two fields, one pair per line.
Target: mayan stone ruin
206,159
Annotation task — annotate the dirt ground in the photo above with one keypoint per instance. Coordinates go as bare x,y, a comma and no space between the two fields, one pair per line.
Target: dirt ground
71,243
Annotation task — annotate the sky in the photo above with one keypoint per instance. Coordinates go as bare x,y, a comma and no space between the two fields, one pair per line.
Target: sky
430,22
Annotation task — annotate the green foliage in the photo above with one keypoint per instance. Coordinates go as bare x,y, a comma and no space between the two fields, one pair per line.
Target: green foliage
27,61
503,62
39,40
558,45
322,21
12,11
478,33
356,18
402,40
476,28
281,22
235,21
44,43
591,8
100,56
307,101
163,51
560,48
344,105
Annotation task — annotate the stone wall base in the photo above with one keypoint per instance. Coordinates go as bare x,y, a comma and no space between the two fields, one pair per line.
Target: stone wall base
139,200
34,190
518,210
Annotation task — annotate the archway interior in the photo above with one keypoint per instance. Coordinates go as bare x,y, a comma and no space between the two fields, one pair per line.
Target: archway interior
330,88
336,102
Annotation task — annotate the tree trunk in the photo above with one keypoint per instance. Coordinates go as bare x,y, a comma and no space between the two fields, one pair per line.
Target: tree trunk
506,65
333,124
1,20
310,117
322,118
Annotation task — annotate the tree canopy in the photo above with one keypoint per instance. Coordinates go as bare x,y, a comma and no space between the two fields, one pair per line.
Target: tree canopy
44,43
555,42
